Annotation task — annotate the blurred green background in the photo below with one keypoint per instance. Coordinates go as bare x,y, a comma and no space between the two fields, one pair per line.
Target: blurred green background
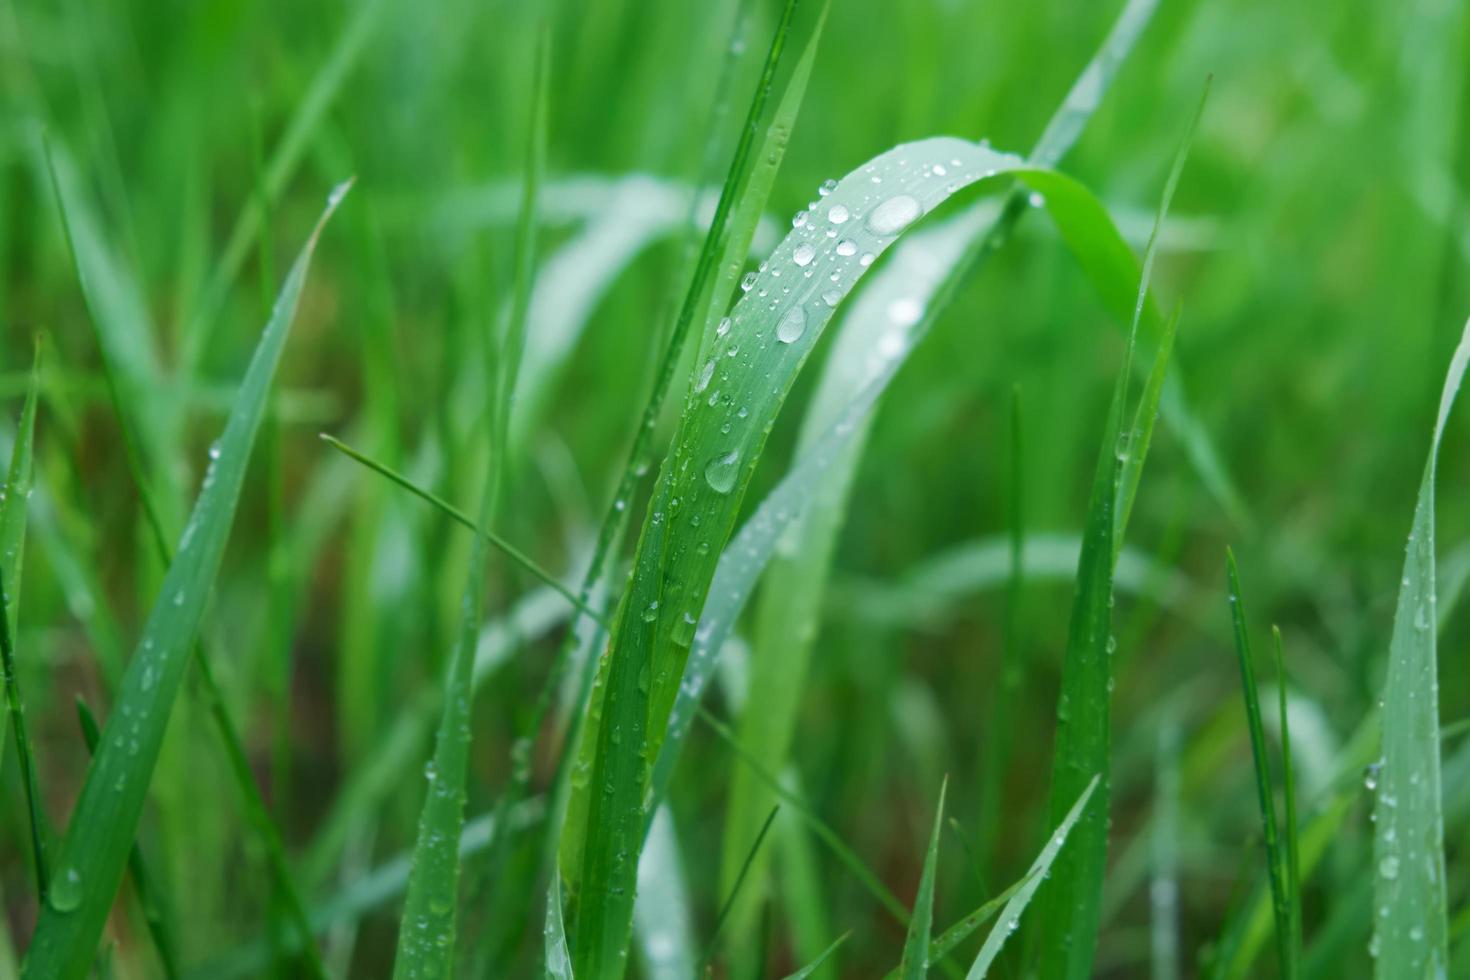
1318,245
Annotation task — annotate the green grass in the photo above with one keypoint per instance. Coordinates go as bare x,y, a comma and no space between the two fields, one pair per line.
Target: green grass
629,556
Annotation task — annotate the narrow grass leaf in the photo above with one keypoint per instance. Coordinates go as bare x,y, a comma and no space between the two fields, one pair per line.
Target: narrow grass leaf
156,914
16,709
1040,868
1275,856
661,917
915,965
823,957
558,958
730,899
104,822
1289,832
1408,831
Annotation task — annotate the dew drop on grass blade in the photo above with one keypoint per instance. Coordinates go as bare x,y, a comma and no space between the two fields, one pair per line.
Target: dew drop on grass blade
915,965
104,822
1010,918
1410,928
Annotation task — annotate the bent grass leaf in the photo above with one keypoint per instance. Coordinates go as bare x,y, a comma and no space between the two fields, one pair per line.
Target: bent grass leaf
915,965
822,957
104,822
1411,939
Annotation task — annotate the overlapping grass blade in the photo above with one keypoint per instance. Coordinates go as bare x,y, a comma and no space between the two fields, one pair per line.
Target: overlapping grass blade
558,957
1011,917
915,964
15,707
1408,831
661,926
156,913
731,211
104,822
1073,901
1275,853
823,957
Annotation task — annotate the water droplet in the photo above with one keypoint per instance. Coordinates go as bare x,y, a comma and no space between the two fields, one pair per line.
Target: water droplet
1389,867
798,219
705,373
214,450
832,297
748,283
721,472
939,170
66,890
723,327
894,215
804,254
828,186
651,612
867,259
1370,776
838,214
846,247
792,326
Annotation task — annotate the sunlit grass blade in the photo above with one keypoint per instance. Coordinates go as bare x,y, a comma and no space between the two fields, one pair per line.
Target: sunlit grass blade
915,965
823,957
16,709
1275,855
104,822
724,914
1408,831
1011,916
156,913
661,918
1072,903
558,958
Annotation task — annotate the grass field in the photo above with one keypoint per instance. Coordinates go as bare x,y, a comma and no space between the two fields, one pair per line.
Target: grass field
746,488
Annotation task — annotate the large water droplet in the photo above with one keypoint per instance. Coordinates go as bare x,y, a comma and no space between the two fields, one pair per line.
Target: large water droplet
838,214
721,472
66,890
748,283
894,215
792,326
1389,867
828,186
804,254
846,247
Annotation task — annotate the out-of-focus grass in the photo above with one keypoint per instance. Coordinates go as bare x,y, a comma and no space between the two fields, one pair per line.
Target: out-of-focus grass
1318,244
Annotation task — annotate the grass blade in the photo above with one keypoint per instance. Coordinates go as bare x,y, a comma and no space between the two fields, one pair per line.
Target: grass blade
661,917
150,898
17,711
1275,856
1011,917
1073,902
558,959
915,965
1288,785
1408,832
104,822
816,964
720,919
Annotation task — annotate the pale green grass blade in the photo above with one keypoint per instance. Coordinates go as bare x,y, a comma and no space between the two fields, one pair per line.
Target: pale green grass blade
15,706
1011,917
1289,826
156,913
1163,892
104,822
730,899
1275,855
661,926
558,958
1072,903
947,941
823,957
1408,830
915,965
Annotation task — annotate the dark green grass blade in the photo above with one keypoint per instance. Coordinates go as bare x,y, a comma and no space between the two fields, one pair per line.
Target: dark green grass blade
460,517
1073,902
104,822
1275,856
16,709
823,957
1289,828
1011,917
915,965
724,915
1408,830
156,913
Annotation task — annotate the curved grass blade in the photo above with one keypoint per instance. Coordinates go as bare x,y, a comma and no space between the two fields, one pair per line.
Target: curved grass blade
915,965
1408,831
724,914
1011,917
150,898
823,957
558,958
104,821
1275,855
